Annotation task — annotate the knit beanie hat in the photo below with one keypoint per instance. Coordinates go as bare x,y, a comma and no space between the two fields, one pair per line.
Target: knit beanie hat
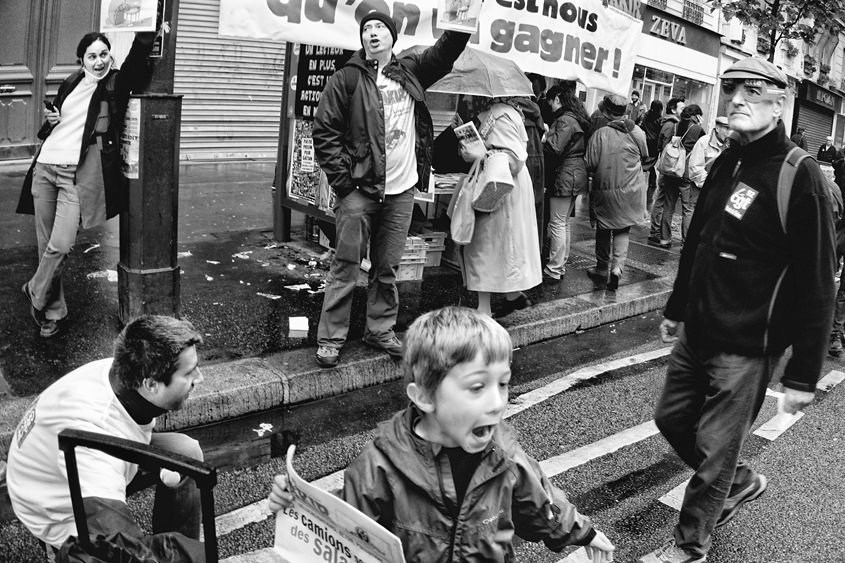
383,18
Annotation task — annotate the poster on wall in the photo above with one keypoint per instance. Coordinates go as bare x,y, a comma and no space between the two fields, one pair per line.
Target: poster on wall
130,139
316,65
306,182
128,15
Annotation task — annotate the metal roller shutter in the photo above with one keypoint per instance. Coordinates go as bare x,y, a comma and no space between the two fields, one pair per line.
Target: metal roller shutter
817,124
232,88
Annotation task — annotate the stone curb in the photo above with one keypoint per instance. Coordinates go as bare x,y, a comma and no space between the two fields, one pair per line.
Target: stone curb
240,387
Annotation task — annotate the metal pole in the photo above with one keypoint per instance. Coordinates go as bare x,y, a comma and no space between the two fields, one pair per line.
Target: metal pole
148,272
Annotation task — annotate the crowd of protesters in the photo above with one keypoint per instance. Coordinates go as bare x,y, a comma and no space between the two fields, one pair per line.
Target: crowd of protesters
608,155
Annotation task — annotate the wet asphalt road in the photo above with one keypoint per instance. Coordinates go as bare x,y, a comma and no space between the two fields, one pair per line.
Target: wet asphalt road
798,520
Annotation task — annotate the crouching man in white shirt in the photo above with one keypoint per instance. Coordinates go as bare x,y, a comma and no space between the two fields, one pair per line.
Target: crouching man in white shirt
153,371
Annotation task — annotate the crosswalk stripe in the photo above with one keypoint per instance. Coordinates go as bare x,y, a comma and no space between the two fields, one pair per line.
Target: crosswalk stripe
675,497
831,380
528,400
777,425
579,456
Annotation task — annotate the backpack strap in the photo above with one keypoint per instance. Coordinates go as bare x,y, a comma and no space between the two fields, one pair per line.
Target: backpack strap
785,179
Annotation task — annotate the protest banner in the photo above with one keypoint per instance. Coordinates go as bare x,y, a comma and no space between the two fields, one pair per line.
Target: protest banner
580,40
320,527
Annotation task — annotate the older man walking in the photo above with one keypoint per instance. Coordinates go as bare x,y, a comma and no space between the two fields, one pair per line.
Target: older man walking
747,288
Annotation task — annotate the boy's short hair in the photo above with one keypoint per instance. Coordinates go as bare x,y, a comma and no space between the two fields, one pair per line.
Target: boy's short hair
439,340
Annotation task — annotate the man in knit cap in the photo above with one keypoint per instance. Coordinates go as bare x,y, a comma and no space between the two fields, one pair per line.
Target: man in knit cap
748,287
372,137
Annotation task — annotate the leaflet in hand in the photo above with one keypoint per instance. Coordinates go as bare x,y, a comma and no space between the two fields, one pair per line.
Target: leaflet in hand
469,139
320,527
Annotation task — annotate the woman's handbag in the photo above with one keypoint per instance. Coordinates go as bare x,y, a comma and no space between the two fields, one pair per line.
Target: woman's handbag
493,184
460,209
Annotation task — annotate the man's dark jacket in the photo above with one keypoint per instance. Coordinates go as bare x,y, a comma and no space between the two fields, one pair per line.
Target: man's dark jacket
746,287
827,155
349,125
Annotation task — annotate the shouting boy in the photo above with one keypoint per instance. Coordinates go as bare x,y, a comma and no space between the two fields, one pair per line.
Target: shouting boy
446,474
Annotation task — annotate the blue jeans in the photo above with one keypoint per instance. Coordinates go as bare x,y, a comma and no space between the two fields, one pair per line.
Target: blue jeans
360,219
709,402
560,209
656,211
56,203
670,189
689,197
612,255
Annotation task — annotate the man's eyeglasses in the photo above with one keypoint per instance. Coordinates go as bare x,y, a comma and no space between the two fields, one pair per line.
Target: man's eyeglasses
753,90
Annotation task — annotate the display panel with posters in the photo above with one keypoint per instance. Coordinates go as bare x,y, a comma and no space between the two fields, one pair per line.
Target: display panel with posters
306,182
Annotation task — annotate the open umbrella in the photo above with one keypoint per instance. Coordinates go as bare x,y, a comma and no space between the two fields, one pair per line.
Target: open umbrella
480,74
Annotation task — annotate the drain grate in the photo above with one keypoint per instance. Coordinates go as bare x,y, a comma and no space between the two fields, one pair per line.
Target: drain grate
648,254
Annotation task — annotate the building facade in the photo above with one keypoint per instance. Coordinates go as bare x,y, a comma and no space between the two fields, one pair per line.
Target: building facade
816,72
231,87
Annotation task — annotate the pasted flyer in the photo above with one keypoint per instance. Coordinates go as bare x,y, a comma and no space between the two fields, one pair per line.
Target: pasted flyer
320,527
130,139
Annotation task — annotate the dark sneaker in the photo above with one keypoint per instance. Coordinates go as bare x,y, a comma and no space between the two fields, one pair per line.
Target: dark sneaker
835,348
596,275
49,328
391,345
653,240
613,283
671,553
754,489
327,356
37,315
511,305
664,244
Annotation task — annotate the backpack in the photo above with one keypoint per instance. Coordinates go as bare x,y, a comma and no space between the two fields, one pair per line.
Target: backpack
785,179
673,158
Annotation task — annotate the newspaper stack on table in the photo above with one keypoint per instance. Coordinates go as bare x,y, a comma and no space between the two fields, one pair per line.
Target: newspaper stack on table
320,527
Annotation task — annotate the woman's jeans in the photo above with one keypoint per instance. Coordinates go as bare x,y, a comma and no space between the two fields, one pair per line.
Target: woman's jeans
560,209
689,197
709,402
605,261
359,220
670,189
56,223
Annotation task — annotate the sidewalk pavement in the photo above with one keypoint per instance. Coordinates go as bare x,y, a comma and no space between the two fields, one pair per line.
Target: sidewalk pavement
239,288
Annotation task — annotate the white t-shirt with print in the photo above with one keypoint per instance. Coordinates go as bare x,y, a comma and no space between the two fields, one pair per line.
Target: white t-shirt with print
36,473
400,136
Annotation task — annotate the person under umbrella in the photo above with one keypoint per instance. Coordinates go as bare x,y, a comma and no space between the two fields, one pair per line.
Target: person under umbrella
503,255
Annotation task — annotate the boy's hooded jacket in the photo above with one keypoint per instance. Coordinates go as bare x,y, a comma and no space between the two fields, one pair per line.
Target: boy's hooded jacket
349,137
405,484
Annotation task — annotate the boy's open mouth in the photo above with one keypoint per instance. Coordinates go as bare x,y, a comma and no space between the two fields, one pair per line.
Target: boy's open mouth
482,431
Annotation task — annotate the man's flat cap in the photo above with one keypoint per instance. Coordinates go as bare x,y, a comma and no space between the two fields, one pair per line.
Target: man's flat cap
755,67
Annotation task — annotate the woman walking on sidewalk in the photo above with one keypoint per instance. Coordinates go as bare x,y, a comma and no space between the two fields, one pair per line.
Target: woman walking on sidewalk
76,176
